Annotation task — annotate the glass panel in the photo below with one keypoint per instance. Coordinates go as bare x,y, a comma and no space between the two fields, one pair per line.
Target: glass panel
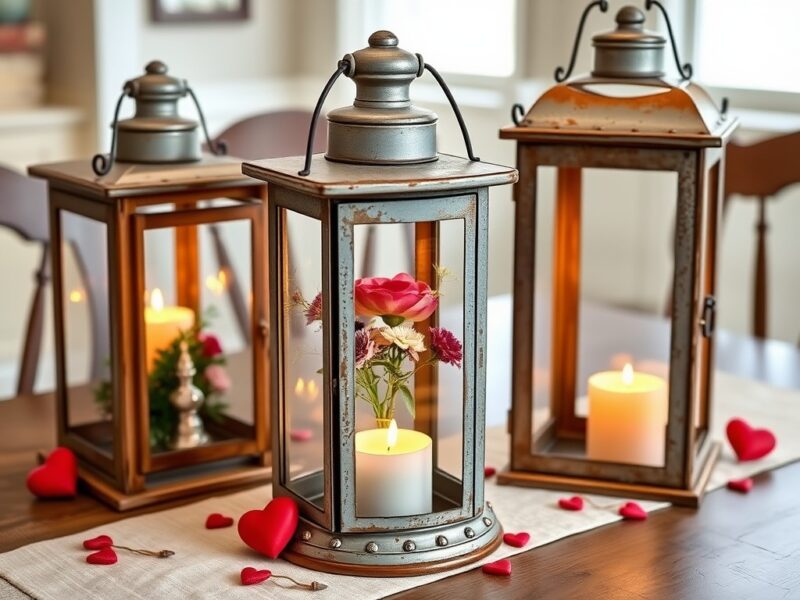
301,328
610,261
408,358
198,291
87,345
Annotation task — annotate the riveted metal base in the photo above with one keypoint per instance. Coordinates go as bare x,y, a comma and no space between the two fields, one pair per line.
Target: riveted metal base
395,553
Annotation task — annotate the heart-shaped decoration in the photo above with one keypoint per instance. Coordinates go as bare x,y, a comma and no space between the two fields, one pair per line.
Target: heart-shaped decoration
741,485
57,477
632,512
269,530
301,435
749,443
106,556
488,472
518,540
218,521
252,576
574,503
98,543
498,567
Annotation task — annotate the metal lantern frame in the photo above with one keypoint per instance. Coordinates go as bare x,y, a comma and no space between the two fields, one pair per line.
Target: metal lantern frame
570,127
340,196
130,475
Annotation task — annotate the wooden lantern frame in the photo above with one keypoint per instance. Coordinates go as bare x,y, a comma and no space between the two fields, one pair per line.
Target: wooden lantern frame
130,475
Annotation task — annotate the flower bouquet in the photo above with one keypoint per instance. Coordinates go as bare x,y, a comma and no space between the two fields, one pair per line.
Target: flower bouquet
389,346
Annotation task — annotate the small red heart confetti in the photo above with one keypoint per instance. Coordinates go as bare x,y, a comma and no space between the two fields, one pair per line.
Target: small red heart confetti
97,543
106,556
301,435
632,512
218,521
252,576
574,503
741,485
518,540
498,567
57,477
489,472
747,442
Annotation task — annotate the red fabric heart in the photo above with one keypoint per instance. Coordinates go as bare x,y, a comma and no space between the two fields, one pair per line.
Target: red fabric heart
488,472
518,540
269,530
301,435
57,477
632,511
741,485
106,556
749,443
498,567
251,575
97,543
218,521
574,503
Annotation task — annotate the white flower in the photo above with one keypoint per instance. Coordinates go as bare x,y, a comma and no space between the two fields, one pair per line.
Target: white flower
405,338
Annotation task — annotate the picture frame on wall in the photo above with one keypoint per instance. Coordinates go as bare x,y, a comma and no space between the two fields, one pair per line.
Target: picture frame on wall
193,11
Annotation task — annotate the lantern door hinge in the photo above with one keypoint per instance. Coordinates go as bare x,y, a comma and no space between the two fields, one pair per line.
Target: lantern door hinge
708,315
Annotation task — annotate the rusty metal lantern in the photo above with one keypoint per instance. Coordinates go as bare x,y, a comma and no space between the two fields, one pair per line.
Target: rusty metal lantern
381,176
624,115
163,233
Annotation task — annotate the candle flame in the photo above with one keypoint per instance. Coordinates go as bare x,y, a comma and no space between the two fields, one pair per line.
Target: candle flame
391,435
76,296
157,300
217,283
627,374
313,389
300,386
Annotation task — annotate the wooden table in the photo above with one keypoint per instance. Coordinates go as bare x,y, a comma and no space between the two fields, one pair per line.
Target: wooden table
734,546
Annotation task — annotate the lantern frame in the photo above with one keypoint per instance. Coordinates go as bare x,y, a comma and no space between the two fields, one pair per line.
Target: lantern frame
132,476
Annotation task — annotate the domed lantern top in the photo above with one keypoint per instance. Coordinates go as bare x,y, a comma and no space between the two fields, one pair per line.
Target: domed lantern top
156,133
626,95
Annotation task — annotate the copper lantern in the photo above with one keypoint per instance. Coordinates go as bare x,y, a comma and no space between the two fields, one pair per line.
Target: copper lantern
161,345
621,417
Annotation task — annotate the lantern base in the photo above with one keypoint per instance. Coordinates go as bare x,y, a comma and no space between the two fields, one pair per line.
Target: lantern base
681,496
395,553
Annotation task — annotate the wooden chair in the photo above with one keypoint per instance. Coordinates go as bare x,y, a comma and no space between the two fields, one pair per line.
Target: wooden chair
761,171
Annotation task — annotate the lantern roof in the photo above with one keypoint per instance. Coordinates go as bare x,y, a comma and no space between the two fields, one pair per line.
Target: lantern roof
336,180
137,179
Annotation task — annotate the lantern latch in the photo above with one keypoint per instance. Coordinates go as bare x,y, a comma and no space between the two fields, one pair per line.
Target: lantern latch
708,316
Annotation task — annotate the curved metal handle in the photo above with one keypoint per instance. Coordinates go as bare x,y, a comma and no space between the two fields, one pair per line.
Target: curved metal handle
455,108
217,148
560,75
685,69
517,112
102,163
342,66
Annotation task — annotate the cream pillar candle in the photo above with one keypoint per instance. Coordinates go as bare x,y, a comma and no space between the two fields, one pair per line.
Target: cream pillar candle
627,418
394,472
163,324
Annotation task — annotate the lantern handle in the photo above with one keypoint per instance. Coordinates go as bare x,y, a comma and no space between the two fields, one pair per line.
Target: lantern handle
343,65
560,75
218,148
102,163
454,106
517,112
684,69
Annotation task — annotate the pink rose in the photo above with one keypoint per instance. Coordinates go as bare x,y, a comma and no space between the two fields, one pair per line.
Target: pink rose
395,300
218,378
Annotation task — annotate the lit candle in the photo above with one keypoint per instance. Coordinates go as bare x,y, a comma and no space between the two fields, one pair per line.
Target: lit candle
627,417
394,472
163,324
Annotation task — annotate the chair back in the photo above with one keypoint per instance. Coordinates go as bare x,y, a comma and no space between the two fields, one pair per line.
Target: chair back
273,134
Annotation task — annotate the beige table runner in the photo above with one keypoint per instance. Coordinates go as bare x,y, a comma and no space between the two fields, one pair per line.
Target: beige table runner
207,562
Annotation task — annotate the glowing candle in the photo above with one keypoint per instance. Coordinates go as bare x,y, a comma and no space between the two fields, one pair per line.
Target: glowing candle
627,417
394,472
163,324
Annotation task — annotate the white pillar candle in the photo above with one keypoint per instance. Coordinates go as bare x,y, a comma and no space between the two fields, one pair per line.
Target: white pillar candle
627,418
394,472
163,324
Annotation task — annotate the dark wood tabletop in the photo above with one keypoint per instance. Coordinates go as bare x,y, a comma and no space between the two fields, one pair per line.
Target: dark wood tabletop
734,546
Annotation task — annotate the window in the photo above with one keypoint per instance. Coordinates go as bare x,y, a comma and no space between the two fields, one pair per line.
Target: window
748,45
470,37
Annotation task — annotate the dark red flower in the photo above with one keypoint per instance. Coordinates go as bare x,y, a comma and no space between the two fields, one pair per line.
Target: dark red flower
211,345
445,346
314,310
